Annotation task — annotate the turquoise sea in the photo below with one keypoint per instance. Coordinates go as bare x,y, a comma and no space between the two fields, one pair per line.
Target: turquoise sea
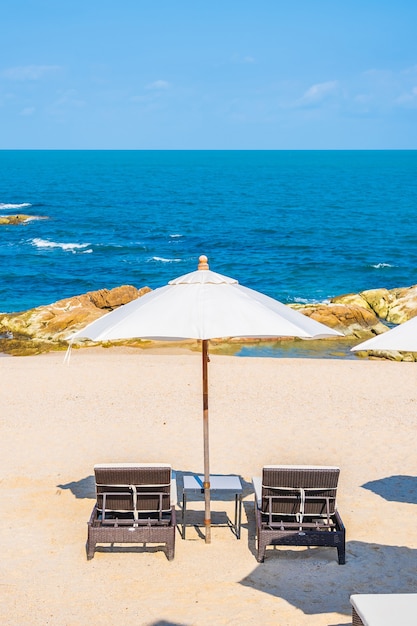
298,225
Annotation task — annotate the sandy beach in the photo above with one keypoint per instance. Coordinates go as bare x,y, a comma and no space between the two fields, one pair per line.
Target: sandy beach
125,405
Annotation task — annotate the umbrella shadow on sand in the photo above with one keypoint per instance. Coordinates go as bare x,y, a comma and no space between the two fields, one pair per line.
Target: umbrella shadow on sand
395,488
83,488
311,579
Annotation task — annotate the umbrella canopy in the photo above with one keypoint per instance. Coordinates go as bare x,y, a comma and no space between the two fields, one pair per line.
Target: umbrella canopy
401,338
203,305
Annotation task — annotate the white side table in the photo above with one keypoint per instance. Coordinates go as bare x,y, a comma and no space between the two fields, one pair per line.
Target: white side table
229,485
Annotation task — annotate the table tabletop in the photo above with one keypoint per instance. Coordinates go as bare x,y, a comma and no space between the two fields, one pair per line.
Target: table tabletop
218,482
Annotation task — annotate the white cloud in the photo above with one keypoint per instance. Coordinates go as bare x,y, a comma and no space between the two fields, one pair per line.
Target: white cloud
158,85
30,72
153,99
390,89
139,99
237,58
6,98
362,98
66,100
27,111
317,93
379,74
408,98
410,70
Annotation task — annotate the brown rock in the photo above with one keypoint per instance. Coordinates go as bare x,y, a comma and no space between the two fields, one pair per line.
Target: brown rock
404,305
379,300
376,300
113,298
19,219
54,322
46,327
388,355
349,319
349,299
394,305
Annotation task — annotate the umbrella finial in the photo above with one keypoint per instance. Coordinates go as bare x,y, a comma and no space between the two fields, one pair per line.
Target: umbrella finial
202,263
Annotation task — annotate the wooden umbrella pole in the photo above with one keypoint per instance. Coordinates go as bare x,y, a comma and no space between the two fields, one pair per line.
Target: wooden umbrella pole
207,520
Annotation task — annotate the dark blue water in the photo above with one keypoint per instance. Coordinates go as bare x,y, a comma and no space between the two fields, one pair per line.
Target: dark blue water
300,226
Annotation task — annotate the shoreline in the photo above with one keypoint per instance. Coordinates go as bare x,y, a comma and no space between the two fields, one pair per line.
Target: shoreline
284,349
356,317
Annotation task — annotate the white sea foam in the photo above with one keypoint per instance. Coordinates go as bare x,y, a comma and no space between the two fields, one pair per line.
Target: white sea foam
299,300
67,247
4,206
175,236
34,218
379,266
161,259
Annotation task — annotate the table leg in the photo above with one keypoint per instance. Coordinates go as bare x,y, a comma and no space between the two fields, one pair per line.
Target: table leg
238,514
184,511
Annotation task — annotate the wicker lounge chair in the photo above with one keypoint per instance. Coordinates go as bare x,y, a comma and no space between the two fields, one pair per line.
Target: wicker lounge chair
135,504
384,609
296,506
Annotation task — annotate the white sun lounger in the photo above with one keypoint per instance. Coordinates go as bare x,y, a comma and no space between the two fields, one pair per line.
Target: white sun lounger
384,609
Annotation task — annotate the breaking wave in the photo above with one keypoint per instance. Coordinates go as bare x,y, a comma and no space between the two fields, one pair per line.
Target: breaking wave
66,247
4,206
161,259
379,266
299,300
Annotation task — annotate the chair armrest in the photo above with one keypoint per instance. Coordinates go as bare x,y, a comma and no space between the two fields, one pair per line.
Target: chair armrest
174,495
257,487
339,520
173,516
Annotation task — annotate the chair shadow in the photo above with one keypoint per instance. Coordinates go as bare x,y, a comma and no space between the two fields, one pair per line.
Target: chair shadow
395,488
83,488
327,586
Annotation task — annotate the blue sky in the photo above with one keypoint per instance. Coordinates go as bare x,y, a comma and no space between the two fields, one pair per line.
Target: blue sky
224,74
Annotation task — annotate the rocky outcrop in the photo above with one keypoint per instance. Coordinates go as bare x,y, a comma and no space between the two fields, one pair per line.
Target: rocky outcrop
396,306
393,305
20,218
356,316
45,328
350,319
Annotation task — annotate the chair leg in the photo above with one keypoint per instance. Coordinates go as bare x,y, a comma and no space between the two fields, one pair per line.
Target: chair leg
341,555
260,554
90,548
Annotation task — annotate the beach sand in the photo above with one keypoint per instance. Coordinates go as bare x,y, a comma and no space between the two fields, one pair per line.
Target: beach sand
124,405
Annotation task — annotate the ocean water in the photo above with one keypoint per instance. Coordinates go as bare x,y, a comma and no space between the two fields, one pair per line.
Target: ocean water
301,226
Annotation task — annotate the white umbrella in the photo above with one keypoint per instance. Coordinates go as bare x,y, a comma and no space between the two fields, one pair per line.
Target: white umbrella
203,305
402,338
